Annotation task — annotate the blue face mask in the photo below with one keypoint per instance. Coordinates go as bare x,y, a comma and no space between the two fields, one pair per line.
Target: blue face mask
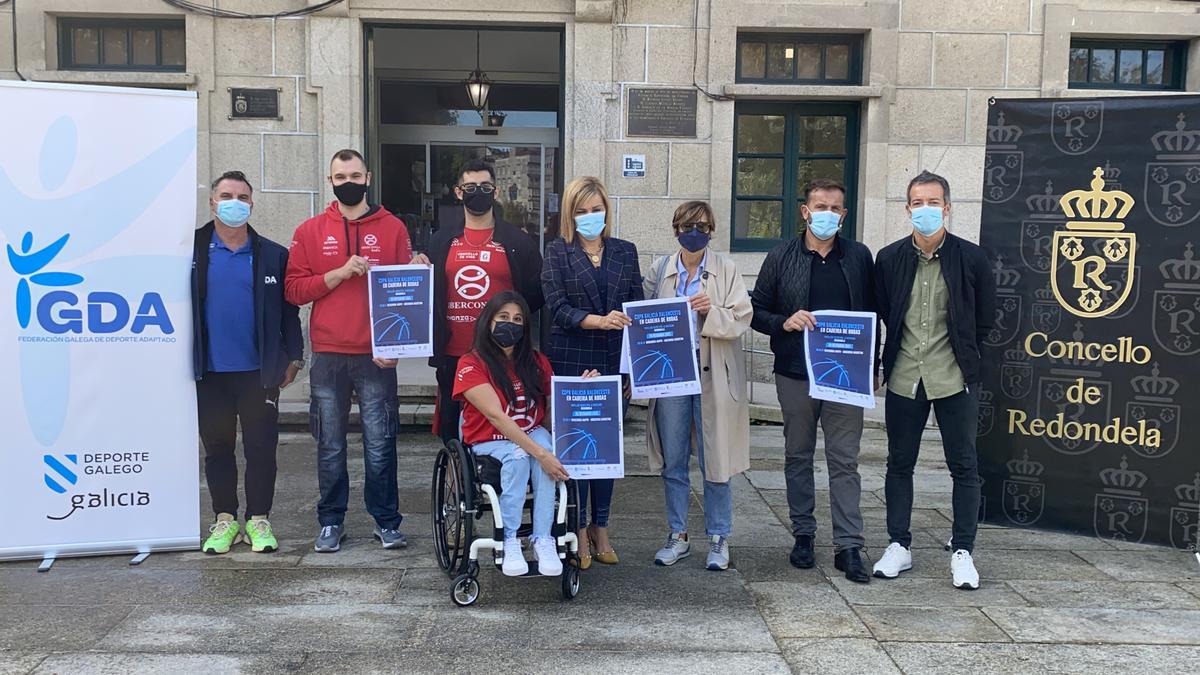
927,220
590,225
233,212
824,224
694,240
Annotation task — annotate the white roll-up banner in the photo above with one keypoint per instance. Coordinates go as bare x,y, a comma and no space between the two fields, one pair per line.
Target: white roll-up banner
98,437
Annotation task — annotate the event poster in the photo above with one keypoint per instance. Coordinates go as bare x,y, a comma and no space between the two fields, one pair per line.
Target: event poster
658,350
98,396
586,415
840,357
401,311
1091,217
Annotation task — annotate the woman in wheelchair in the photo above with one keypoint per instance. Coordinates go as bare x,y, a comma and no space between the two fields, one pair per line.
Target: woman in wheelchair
503,383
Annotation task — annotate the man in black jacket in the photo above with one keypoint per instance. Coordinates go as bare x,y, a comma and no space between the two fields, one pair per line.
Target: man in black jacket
247,345
818,270
473,261
936,294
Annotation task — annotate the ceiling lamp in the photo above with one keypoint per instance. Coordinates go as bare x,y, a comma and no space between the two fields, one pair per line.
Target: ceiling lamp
477,83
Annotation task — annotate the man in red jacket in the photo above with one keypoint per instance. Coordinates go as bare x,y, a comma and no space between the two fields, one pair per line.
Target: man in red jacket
327,266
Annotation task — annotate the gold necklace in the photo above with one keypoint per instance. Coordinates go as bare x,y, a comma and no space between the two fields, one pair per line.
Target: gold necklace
595,256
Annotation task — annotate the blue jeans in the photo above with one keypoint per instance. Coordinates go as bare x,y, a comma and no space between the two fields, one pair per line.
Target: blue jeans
515,472
677,419
598,491
331,380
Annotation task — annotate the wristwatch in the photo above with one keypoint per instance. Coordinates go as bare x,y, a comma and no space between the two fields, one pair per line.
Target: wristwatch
299,363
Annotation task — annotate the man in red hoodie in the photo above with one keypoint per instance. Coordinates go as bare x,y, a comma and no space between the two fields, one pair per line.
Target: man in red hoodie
327,266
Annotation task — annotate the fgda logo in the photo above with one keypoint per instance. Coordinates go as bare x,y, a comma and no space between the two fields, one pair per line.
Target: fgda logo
63,311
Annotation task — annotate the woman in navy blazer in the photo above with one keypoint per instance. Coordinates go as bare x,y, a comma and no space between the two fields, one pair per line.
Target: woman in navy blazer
586,276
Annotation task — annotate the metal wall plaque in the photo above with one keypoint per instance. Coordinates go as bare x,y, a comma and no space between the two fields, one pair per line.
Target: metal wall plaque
662,112
254,104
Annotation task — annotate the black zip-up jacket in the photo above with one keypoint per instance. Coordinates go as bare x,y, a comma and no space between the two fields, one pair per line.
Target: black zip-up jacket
276,321
524,262
783,288
971,303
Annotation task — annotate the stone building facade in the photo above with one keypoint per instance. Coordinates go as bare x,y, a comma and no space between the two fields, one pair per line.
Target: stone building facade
910,80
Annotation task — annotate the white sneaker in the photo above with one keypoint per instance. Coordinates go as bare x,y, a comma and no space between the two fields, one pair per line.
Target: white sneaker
962,567
677,548
547,557
514,564
895,559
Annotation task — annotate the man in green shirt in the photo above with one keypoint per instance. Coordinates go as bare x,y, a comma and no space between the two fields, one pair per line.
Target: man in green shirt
936,295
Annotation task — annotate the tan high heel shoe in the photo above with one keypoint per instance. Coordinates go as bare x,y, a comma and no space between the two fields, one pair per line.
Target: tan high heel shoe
585,541
608,557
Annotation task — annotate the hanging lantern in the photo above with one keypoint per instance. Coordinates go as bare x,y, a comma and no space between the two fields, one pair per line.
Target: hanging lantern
477,83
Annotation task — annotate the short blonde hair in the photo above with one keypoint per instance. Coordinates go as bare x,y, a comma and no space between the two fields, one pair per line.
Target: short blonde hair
578,190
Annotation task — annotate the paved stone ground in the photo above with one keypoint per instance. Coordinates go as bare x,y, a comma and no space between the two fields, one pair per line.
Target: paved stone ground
1049,602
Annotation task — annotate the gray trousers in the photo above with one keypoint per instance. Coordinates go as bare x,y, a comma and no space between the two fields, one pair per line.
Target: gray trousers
843,426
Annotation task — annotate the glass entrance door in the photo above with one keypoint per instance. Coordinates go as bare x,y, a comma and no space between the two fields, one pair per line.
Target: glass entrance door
418,183
521,172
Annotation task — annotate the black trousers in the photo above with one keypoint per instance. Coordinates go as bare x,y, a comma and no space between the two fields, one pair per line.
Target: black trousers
958,422
223,399
449,410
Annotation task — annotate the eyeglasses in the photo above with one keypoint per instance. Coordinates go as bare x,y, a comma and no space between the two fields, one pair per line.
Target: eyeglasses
698,225
470,188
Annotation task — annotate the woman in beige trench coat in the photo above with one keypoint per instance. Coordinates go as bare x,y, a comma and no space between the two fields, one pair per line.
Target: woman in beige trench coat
714,424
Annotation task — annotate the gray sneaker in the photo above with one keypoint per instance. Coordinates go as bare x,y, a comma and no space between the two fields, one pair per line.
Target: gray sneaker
391,538
677,548
718,554
330,538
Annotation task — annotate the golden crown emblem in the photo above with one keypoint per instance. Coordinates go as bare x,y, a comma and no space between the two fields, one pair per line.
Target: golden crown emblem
1097,208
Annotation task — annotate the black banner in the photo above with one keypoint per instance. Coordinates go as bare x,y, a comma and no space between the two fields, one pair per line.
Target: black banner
1090,407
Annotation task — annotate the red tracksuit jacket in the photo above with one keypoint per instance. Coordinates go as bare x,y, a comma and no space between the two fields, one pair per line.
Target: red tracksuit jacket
340,319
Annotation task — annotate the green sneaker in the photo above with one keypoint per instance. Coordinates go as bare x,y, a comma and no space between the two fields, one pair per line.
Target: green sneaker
223,534
259,536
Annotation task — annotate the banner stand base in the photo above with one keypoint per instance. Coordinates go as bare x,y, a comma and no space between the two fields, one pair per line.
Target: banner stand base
47,563
139,558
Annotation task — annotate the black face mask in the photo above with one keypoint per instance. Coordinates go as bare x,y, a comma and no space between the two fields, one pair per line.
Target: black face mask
350,193
507,334
478,202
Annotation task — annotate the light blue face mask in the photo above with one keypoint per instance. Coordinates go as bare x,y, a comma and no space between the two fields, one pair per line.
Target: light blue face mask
927,219
824,224
590,225
233,212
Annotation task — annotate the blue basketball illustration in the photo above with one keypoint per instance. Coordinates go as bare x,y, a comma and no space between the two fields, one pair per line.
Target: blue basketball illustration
654,361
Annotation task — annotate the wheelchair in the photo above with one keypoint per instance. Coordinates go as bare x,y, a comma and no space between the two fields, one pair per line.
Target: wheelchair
465,487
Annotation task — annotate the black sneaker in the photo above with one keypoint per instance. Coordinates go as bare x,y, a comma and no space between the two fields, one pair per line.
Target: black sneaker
850,561
802,553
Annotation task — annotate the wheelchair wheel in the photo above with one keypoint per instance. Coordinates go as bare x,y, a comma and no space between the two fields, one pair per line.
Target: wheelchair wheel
464,591
452,512
570,582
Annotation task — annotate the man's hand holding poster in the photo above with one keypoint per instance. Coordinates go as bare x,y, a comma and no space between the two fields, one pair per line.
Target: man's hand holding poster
840,357
401,311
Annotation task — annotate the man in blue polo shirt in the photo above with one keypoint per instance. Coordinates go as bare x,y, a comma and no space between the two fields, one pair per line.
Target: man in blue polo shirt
247,345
